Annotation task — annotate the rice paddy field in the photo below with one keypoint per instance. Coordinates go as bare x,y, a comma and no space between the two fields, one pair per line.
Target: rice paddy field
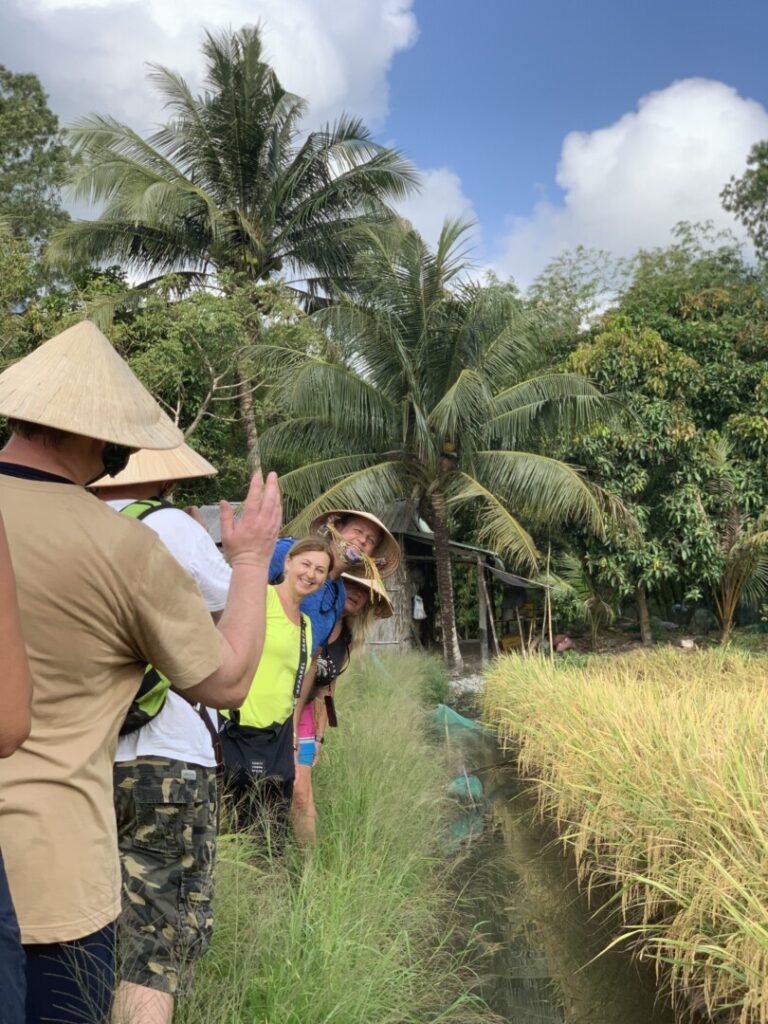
653,768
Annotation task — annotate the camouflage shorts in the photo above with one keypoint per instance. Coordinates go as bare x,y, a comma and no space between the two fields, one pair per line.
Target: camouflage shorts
166,823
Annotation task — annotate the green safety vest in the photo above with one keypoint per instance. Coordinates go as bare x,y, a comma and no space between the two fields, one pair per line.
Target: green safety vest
151,695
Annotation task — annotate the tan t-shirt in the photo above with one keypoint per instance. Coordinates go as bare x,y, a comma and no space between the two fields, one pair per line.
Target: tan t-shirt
100,597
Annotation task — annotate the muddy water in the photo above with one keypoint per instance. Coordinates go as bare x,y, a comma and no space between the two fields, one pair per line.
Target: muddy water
543,964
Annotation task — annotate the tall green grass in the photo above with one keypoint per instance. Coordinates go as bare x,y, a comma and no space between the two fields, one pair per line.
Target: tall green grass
359,929
654,768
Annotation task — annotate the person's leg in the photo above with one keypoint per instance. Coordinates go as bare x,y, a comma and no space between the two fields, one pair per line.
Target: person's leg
137,1003
71,982
12,979
167,814
303,814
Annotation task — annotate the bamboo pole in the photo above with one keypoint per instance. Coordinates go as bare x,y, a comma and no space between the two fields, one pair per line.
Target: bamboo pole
481,583
482,615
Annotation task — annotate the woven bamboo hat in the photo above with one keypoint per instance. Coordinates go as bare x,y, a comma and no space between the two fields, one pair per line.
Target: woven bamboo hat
145,467
78,383
387,554
384,609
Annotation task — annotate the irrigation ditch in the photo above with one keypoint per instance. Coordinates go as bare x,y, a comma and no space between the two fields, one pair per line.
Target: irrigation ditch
543,960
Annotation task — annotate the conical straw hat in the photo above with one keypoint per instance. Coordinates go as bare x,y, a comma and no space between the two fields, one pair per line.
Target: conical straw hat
388,550
78,383
145,467
384,609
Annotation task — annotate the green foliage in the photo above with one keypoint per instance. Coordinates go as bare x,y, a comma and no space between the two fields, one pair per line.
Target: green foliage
574,582
17,271
435,685
34,161
685,351
747,197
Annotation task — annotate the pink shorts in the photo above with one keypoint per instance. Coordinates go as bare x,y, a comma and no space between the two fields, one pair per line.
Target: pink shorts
307,722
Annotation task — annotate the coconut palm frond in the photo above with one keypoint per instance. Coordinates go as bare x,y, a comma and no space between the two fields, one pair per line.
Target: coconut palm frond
335,394
305,434
462,410
551,490
546,387
372,487
497,528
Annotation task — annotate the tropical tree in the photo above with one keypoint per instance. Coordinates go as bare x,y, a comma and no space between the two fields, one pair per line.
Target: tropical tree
428,388
747,197
744,573
574,578
229,182
34,161
685,351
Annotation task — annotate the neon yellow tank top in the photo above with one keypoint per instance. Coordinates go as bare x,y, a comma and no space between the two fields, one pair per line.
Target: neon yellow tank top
270,698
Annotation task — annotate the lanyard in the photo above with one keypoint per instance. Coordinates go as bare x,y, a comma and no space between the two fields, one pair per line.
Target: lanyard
302,669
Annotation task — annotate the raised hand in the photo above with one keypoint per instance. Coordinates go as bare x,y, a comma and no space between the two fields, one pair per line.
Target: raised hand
250,538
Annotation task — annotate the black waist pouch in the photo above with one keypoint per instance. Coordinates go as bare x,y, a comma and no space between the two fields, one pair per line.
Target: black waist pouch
259,753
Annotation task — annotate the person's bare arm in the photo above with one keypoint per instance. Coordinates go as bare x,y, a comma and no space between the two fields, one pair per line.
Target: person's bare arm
16,681
248,544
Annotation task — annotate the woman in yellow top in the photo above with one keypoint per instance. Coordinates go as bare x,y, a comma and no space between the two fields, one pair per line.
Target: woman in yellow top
258,740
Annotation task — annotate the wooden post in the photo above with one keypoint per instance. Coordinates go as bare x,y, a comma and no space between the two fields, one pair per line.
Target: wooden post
481,584
482,614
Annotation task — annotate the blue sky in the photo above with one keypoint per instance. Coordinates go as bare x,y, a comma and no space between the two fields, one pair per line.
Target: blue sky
553,123
493,94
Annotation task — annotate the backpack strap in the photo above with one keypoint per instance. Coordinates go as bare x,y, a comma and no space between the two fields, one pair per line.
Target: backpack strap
144,507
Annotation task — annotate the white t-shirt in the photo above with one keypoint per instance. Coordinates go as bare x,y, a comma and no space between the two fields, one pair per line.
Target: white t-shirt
178,732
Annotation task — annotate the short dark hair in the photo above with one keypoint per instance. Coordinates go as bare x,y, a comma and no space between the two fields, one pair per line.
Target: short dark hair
29,431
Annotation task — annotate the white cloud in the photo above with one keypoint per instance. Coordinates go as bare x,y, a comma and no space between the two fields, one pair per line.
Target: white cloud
627,185
441,197
91,54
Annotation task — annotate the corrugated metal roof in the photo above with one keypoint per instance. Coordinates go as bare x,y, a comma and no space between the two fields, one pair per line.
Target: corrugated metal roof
516,581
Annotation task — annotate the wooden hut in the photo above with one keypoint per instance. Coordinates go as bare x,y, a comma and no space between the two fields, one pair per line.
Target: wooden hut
507,623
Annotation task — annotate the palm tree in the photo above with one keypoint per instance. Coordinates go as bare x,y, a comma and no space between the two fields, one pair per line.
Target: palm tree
575,579
229,183
427,390
744,573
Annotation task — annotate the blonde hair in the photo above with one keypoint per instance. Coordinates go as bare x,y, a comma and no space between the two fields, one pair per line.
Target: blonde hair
359,624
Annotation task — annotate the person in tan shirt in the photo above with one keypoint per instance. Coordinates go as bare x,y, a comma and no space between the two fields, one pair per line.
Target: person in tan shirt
15,696
100,597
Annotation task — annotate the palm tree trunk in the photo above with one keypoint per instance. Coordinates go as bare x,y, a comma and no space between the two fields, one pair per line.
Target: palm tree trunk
451,649
643,618
245,402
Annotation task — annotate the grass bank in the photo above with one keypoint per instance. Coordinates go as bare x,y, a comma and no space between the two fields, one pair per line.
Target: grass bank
360,928
653,768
